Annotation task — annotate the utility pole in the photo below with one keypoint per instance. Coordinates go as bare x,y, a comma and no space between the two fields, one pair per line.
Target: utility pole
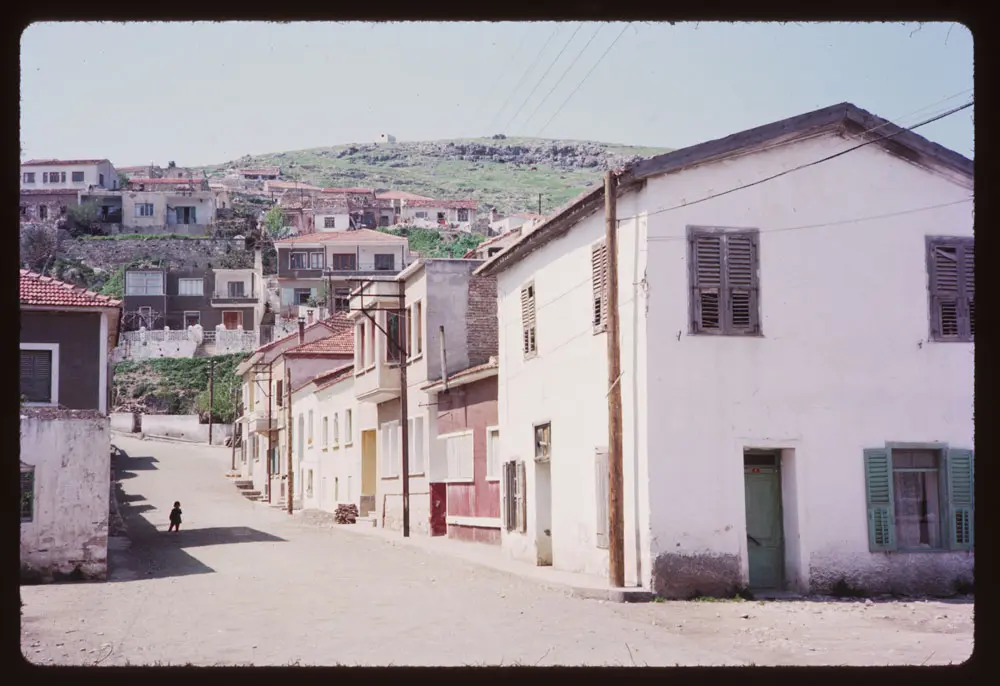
288,436
539,203
616,510
211,396
403,414
270,428
236,419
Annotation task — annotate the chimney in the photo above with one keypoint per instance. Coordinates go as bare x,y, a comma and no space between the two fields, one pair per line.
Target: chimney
309,317
302,330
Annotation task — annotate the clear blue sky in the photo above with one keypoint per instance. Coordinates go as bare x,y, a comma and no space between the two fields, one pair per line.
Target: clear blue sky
207,93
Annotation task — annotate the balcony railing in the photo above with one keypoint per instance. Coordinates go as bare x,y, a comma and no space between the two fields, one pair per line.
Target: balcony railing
226,298
114,217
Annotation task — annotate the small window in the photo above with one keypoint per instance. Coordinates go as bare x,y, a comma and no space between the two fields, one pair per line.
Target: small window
326,432
309,483
383,221
100,179
415,438
302,296
390,449
236,289
421,215
144,209
348,427
38,374
27,492
460,456
190,287
329,222
599,284
342,300
493,453
418,328
297,260
360,351
278,395
543,442
723,267
78,177
463,214
529,338
514,501
394,337
315,260
346,262
43,212
29,177
951,263
310,434
385,262
336,429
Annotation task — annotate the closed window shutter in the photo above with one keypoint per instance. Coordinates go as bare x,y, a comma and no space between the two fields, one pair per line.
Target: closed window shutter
706,256
599,281
521,504
36,375
741,282
508,496
601,490
952,283
878,482
969,272
961,488
528,319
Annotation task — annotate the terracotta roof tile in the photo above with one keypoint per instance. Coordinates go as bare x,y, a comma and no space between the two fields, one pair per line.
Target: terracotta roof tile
468,371
344,236
340,342
513,233
46,291
364,191
330,378
447,204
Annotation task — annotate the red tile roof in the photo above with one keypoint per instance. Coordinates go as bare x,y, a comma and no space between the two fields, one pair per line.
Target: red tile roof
46,291
328,379
344,237
447,204
469,371
166,181
257,171
400,195
365,191
50,163
513,233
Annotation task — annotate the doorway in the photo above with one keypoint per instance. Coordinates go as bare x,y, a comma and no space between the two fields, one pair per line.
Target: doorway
367,504
232,319
192,319
765,533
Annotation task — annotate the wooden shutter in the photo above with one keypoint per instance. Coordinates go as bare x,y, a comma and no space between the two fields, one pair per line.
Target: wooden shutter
508,495
961,488
741,282
36,375
969,273
706,279
878,482
599,282
528,319
601,490
521,507
952,281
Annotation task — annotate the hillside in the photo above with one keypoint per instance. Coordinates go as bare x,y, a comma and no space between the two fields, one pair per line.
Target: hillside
508,173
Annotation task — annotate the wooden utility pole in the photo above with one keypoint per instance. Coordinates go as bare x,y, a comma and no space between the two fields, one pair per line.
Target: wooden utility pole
616,510
270,428
290,494
403,414
539,203
211,396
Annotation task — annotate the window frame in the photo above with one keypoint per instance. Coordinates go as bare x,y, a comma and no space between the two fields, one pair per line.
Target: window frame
492,456
725,302
447,438
529,320
348,427
82,177
293,255
390,432
27,474
336,429
189,281
53,349
384,262
316,259
29,177
145,275
144,209
964,294
329,222
326,432
344,262
599,286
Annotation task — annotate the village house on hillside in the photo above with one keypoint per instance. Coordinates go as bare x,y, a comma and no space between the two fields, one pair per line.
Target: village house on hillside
50,187
65,448
784,427
263,173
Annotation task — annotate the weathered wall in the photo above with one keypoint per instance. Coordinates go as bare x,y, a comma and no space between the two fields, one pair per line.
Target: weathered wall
68,534
136,351
184,426
112,254
481,319
121,421
78,335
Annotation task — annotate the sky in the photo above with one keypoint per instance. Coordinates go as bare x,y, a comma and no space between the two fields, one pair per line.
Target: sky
207,93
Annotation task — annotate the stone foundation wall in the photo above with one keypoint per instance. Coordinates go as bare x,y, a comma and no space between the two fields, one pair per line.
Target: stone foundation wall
177,252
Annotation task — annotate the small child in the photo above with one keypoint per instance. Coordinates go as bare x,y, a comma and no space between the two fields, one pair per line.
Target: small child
175,518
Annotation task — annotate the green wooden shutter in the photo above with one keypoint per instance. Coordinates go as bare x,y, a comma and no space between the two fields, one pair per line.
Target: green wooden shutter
961,487
878,482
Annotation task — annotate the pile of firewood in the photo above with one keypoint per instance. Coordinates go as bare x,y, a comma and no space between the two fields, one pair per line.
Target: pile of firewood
346,514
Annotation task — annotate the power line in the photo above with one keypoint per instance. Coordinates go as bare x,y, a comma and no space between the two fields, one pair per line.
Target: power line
513,57
600,59
563,75
523,77
808,164
578,27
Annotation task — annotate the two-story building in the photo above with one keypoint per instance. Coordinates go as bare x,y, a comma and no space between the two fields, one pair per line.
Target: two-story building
184,297
796,317
320,266
174,205
76,175
458,214
445,324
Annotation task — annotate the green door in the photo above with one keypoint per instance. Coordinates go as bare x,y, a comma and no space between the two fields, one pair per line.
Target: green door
765,539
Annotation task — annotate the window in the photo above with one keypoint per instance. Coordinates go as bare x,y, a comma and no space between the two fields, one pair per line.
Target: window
27,492
342,300
385,262
309,483
336,429
146,317
458,449
144,283
29,177
514,502
723,266
394,337
336,489
279,396
40,373
301,431
315,260
77,177
599,283
235,289
359,356
348,428
301,296
463,214
602,479
346,262
185,215
390,450
192,318
297,260
43,212
421,215
329,222
45,177
100,181
951,263
310,427
417,328
190,287
543,442
493,453
144,209
415,439
920,498
529,340
383,221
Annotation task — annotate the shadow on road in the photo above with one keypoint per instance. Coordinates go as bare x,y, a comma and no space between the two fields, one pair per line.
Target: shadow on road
155,553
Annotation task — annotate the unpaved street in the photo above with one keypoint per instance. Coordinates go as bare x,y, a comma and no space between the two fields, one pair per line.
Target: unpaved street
246,584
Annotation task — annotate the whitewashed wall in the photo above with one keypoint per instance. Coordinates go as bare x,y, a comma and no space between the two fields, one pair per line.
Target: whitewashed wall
186,427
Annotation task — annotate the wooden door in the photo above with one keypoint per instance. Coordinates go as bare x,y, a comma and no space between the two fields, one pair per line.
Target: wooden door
232,319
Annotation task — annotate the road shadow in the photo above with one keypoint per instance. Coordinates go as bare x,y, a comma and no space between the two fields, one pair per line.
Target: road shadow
153,553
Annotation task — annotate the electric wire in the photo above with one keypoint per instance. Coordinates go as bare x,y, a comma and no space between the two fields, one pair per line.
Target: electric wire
523,77
539,82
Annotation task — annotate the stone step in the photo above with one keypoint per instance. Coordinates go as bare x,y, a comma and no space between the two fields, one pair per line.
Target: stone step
243,484
250,494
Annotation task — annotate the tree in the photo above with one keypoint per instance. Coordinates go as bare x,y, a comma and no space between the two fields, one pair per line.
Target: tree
38,248
82,219
274,223
171,165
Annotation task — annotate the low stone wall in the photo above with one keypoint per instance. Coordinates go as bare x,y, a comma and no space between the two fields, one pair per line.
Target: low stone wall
122,421
64,535
184,427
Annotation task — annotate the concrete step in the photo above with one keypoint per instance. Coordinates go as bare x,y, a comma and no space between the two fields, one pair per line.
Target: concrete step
241,484
250,494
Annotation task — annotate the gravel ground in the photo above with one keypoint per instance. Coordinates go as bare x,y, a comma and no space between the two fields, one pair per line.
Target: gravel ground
243,583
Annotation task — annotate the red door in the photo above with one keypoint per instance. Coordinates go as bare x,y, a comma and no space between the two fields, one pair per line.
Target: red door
232,319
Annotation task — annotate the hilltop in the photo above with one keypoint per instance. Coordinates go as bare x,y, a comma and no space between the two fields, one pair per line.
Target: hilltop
508,173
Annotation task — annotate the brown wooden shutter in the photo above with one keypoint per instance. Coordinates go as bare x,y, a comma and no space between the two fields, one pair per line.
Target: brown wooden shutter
741,282
969,272
599,281
528,319
952,283
706,273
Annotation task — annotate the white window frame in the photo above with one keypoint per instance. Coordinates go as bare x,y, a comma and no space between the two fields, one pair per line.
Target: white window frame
54,381
348,427
309,431
144,209
389,458
329,222
326,432
336,429
194,291
305,259
490,457
446,438
145,275
416,456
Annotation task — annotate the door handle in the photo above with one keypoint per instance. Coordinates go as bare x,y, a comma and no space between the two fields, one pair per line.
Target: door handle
753,539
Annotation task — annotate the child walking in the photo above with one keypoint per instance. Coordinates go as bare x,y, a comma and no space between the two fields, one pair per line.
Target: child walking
175,518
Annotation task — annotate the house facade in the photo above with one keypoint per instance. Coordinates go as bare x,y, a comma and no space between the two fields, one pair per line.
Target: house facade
783,427
181,298
77,175
65,449
459,214
46,206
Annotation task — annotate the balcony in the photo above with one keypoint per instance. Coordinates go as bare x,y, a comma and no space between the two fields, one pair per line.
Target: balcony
378,383
301,274
259,424
238,298
377,293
